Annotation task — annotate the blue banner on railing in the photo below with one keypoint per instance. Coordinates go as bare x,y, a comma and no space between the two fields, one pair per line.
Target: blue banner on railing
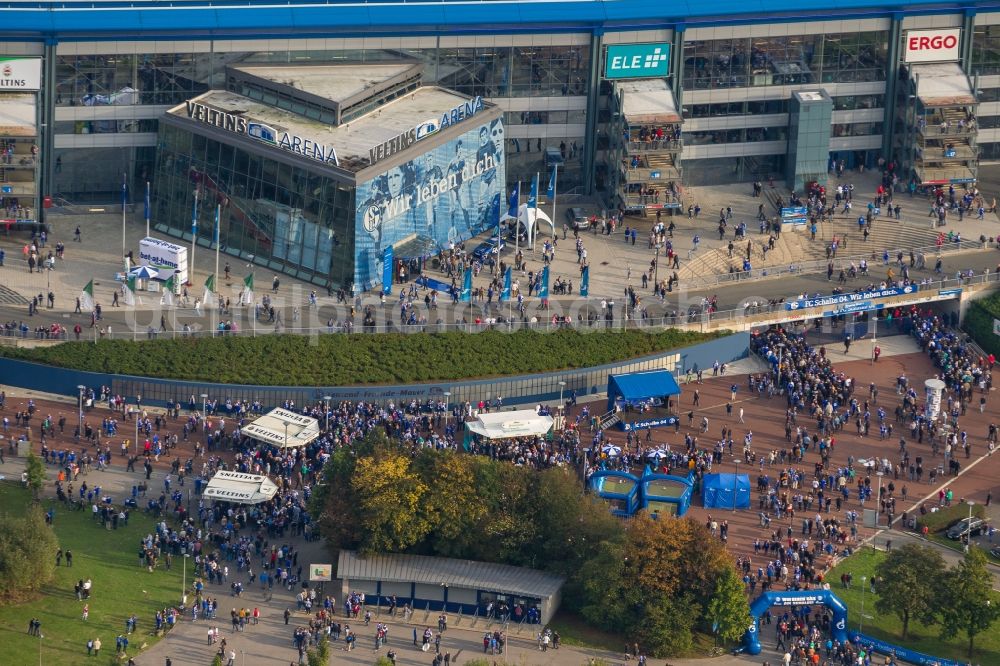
649,423
900,653
841,299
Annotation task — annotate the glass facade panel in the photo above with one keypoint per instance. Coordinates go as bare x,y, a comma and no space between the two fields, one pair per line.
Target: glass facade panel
986,50
299,220
785,60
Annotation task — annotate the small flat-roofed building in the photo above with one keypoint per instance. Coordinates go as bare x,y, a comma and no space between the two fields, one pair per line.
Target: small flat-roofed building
450,585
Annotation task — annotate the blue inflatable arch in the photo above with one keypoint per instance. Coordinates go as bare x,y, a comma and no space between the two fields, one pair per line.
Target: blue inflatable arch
751,639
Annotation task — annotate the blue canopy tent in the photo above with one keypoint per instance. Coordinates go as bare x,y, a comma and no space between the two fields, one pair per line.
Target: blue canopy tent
641,388
717,491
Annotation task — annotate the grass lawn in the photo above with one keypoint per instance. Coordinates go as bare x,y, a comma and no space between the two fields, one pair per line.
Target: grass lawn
888,627
120,588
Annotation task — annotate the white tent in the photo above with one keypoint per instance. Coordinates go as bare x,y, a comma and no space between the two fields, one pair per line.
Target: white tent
240,488
503,425
283,428
530,218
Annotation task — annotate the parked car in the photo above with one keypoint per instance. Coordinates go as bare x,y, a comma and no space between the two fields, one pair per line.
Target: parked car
577,219
486,248
964,527
995,552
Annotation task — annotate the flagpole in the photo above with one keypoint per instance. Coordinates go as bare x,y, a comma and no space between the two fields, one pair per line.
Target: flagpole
517,221
218,221
534,225
124,191
555,186
147,209
194,235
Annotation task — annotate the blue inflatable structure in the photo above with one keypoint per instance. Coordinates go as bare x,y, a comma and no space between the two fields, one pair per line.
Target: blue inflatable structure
725,491
806,598
656,493
799,599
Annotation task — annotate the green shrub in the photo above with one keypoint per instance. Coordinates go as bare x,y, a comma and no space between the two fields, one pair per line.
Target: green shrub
345,360
945,517
978,323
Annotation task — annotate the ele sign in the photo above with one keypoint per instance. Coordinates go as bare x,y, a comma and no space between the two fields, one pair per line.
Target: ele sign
20,73
634,61
932,45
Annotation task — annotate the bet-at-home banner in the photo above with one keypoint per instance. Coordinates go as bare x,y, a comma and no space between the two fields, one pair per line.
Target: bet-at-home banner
448,194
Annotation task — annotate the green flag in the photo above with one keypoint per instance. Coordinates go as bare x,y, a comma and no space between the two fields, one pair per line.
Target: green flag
209,298
130,290
247,297
87,297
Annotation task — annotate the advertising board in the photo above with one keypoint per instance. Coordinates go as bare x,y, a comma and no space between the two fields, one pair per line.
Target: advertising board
449,194
931,45
164,256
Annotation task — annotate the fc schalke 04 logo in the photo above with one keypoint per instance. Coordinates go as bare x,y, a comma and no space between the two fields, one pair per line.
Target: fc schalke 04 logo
8,70
373,218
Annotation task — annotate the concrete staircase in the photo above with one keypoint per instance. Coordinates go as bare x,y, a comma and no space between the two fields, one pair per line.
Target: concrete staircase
796,247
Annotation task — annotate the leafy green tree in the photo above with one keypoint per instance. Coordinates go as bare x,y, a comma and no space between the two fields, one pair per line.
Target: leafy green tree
389,495
27,554
728,608
667,624
907,587
36,474
451,507
967,602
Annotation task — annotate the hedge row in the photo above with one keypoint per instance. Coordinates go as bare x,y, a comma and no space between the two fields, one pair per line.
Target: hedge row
978,323
945,517
346,360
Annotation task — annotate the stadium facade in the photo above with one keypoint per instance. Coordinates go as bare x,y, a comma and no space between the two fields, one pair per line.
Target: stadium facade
603,88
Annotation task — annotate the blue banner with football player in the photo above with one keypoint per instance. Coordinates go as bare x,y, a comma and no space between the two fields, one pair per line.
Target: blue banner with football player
447,195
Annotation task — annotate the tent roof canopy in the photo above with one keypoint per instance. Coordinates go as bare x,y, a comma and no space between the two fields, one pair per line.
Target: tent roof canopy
643,385
943,84
240,488
271,428
504,425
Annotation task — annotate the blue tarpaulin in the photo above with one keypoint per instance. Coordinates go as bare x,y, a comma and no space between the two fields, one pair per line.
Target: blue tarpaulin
641,386
717,491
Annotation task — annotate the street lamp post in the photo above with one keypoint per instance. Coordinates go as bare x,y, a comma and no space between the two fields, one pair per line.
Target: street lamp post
968,527
40,637
781,356
81,388
184,580
286,433
447,406
562,408
861,620
736,482
326,404
204,406
878,500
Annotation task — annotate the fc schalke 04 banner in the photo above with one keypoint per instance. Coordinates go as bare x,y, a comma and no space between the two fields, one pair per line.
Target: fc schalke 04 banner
387,270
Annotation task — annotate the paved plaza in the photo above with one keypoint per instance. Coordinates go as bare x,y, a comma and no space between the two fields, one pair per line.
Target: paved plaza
615,265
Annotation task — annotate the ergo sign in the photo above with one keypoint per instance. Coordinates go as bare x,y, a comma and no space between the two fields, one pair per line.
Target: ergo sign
931,45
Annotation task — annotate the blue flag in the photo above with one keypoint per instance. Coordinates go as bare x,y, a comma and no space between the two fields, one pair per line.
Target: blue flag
515,201
387,269
124,189
533,194
147,201
543,287
194,215
215,236
505,293
585,282
551,191
466,295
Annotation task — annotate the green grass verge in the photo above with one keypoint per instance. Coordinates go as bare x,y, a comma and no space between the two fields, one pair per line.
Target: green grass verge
575,632
121,588
345,360
888,627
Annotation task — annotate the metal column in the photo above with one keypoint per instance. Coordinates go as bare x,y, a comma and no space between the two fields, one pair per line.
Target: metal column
968,36
677,66
593,93
47,101
891,80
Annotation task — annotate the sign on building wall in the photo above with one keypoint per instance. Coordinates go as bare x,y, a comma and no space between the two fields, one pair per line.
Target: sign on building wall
931,45
20,73
634,61
446,195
